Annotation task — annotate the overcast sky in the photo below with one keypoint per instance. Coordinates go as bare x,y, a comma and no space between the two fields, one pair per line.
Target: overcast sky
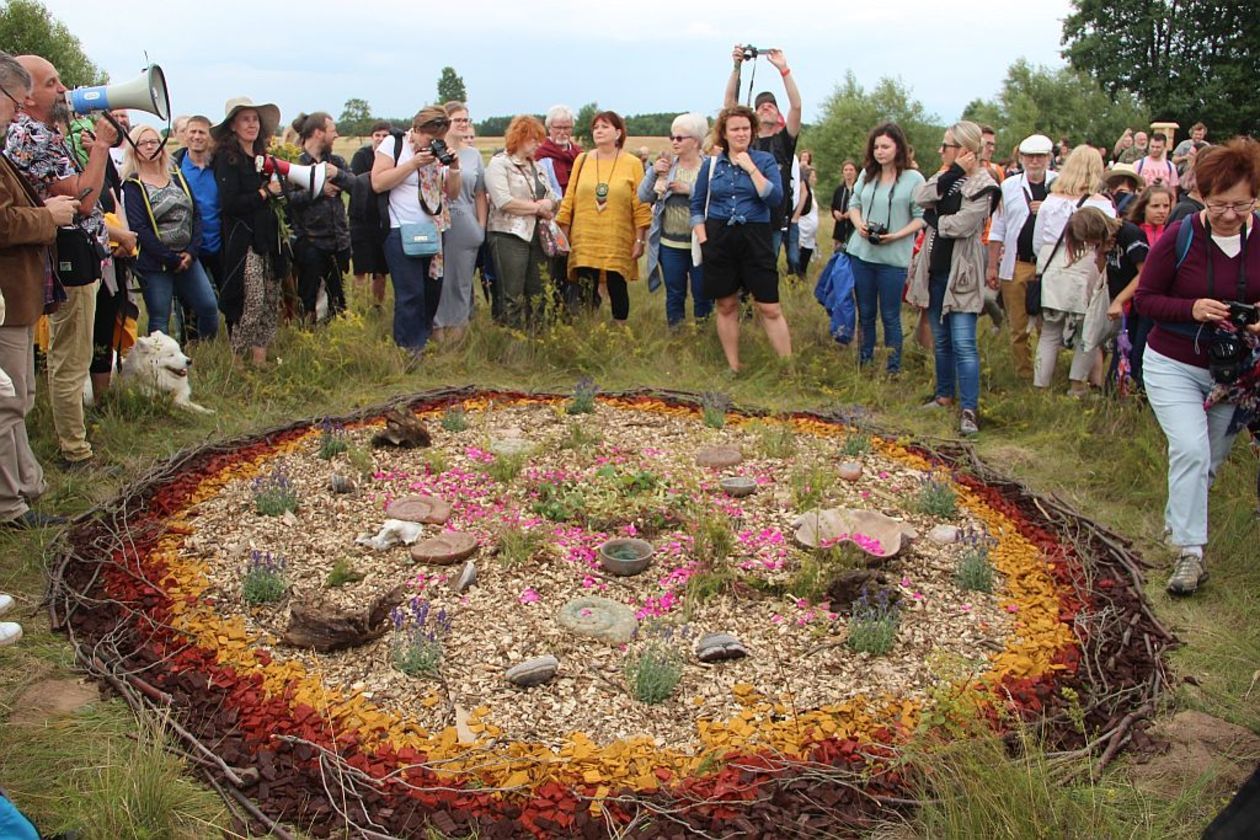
524,57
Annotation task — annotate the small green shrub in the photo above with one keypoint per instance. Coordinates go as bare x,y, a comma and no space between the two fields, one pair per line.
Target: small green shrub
583,399
811,484
713,407
975,572
873,624
558,502
713,543
578,438
856,443
274,493
778,440
455,419
264,581
361,459
654,673
435,461
341,574
419,635
937,498
505,468
517,545
332,440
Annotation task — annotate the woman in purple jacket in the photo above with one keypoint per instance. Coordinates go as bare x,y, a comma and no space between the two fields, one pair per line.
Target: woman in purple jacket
1198,290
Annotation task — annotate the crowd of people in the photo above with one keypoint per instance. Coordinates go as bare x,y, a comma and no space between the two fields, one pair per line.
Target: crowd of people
1135,257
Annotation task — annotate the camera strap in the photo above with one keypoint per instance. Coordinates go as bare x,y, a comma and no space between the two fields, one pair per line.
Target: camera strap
1240,293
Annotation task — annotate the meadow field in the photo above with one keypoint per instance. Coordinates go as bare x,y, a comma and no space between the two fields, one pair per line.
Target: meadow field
76,759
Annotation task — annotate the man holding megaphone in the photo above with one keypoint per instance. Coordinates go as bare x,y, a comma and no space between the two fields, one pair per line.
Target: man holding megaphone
37,148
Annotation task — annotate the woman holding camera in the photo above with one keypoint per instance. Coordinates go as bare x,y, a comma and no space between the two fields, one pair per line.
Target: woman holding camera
949,273
462,242
1192,286
163,214
419,184
667,188
522,200
253,262
885,218
604,220
735,192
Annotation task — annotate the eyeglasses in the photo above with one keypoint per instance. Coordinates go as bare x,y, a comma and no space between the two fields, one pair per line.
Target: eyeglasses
461,119
562,127
945,146
149,141
11,99
678,138
1239,207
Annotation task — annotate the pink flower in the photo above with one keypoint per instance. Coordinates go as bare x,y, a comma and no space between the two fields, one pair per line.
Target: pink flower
883,473
966,608
776,618
905,582
918,596
1012,608
529,596
631,530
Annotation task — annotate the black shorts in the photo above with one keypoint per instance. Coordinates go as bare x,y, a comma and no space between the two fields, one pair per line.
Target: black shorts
740,257
367,248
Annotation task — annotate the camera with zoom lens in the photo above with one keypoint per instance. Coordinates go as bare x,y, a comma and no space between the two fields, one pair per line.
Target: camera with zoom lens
751,52
1229,355
441,151
876,232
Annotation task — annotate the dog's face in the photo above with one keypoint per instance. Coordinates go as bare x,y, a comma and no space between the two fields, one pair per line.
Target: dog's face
161,353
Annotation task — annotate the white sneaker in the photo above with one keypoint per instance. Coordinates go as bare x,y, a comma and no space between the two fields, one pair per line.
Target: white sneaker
10,632
6,603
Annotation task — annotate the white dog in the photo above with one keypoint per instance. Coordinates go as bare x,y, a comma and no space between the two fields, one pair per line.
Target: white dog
158,366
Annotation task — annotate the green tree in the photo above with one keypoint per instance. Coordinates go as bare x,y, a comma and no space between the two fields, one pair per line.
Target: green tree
1189,60
28,28
849,114
356,118
451,87
582,123
1062,102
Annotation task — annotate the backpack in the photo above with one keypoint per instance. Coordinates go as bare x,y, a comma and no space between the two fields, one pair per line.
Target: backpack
1167,163
382,198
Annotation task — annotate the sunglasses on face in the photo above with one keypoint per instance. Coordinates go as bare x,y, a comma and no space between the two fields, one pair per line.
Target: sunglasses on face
678,139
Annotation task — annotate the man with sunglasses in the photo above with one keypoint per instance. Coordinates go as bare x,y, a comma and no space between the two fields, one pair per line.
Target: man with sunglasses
28,226
36,146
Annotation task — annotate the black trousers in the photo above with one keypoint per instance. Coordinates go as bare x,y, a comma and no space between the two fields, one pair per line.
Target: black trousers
583,293
315,265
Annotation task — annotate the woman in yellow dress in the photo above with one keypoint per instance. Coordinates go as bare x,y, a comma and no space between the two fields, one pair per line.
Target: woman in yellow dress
604,220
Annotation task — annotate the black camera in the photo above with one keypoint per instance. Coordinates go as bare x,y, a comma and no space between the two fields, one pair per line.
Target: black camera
441,151
876,232
1242,315
751,52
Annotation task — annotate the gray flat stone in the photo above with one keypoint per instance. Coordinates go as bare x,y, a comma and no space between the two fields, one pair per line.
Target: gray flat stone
510,446
599,618
429,510
533,672
719,647
943,534
467,577
341,483
445,549
850,470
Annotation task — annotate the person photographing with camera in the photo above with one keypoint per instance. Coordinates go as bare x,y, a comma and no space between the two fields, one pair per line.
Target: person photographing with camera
419,173
1201,286
776,132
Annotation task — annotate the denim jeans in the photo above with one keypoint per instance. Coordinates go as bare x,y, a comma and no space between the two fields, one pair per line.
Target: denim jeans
879,289
677,268
954,337
793,248
194,291
1198,442
410,277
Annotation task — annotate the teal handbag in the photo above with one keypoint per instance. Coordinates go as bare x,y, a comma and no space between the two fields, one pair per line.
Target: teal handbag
421,239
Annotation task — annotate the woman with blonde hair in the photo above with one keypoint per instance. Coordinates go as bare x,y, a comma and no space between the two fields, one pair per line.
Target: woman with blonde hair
162,213
419,187
1073,270
522,200
1080,184
948,274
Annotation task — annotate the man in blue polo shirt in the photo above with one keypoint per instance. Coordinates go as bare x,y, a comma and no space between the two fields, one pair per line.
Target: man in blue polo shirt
197,164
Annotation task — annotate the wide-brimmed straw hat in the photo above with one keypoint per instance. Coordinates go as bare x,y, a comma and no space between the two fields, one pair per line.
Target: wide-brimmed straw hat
268,116
1124,171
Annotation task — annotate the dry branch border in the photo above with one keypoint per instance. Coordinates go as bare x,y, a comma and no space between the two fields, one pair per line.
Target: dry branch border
1120,680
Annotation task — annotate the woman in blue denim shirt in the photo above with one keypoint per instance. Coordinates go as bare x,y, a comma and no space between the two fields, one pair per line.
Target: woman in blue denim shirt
733,229
885,219
667,186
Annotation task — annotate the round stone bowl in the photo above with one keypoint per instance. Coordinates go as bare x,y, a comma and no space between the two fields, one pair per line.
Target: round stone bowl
625,556
738,486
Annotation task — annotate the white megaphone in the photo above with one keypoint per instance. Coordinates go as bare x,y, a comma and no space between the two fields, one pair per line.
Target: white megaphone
146,92
311,178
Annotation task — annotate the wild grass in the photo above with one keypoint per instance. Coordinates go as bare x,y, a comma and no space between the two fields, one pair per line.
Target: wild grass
1104,457
517,545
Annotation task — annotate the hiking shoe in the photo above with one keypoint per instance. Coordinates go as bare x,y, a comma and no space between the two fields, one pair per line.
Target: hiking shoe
10,632
968,424
6,603
1188,575
934,403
